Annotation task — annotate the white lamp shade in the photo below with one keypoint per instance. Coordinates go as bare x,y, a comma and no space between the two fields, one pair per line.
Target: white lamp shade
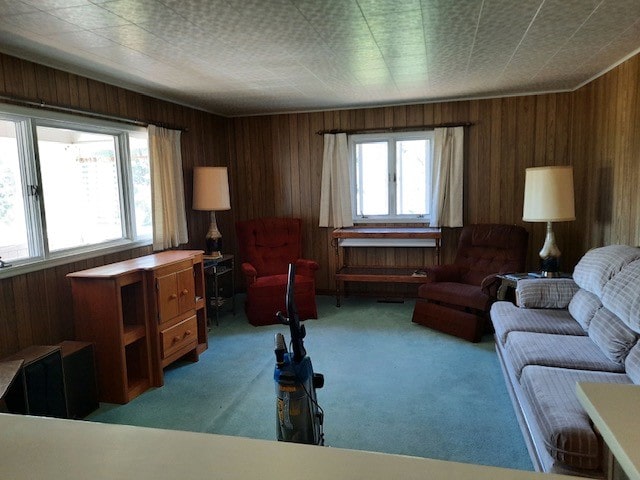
211,188
548,195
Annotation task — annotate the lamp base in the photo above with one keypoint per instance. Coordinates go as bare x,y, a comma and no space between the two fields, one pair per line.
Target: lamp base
550,267
213,246
213,239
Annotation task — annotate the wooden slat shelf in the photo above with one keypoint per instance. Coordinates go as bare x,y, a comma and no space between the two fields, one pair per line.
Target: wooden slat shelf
379,274
387,237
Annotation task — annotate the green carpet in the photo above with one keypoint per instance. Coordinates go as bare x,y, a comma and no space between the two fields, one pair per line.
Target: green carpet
390,386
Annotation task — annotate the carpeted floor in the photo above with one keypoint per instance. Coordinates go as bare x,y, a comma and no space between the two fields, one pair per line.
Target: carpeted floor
390,386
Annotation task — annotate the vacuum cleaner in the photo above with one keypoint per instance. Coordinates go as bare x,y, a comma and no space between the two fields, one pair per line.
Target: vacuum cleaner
299,418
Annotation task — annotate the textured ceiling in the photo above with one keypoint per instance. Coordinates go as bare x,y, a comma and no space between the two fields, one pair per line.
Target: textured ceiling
242,57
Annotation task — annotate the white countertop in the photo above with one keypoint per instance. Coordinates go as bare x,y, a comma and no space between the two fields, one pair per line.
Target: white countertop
46,448
615,411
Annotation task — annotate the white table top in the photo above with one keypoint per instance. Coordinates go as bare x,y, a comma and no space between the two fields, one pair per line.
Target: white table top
45,448
615,411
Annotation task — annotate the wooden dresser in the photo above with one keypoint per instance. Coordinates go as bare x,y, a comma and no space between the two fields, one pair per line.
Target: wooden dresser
141,314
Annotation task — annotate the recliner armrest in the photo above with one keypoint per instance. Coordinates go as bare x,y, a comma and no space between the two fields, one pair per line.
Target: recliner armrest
490,285
250,272
306,267
444,273
545,292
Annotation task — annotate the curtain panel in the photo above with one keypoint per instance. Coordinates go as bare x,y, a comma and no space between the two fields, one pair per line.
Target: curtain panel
447,178
335,193
167,188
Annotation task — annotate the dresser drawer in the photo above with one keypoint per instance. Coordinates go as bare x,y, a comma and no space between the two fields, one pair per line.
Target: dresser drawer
179,336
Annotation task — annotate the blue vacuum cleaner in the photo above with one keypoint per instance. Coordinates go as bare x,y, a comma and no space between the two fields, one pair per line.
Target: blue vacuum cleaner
299,417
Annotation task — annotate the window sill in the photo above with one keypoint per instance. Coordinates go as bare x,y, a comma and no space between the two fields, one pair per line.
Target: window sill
35,265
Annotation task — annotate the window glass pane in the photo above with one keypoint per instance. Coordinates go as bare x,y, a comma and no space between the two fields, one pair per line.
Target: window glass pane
79,186
411,172
373,178
141,175
13,229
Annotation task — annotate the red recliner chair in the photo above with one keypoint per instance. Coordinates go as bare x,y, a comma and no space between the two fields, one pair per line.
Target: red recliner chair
266,248
456,298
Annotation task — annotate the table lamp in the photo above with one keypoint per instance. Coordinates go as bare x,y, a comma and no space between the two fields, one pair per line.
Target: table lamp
548,197
211,193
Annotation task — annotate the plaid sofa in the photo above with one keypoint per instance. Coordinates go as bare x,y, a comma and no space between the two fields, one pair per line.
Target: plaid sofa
565,331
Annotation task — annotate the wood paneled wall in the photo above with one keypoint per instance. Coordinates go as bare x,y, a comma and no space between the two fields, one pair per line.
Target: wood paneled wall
36,308
275,165
507,135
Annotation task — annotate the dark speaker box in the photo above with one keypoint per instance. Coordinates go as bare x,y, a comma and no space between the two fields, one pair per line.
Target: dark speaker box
79,378
43,383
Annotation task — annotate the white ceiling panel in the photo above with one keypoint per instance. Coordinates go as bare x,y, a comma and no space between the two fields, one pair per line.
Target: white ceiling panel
245,57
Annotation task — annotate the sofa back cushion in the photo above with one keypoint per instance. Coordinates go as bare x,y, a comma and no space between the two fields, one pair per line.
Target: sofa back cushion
583,307
613,337
600,265
621,295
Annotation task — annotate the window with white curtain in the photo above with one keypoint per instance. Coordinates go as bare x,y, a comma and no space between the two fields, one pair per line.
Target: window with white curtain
391,176
70,185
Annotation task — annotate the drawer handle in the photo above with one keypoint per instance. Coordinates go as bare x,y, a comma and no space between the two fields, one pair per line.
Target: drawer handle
184,292
176,339
187,333
173,296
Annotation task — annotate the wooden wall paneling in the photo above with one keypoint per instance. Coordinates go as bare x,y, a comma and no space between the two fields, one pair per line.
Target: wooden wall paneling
62,87
21,300
622,206
495,150
13,78
35,306
9,338
281,186
318,242
295,208
471,168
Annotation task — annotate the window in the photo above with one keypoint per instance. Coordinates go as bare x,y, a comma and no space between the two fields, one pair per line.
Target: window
391,180
70,185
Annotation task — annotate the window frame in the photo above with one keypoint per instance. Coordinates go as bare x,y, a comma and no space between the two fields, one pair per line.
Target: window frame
27,121
391,138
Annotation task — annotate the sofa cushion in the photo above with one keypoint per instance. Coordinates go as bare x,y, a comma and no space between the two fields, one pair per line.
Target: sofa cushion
632,364
612,336
564,424
621,295
583,307
566,351
506,318
545,292
599,265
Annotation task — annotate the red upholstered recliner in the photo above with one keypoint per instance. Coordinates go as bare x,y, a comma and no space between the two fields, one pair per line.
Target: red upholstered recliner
456,298
267,246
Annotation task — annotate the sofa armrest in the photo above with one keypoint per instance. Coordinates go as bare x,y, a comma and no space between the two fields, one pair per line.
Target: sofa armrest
545,292
249,271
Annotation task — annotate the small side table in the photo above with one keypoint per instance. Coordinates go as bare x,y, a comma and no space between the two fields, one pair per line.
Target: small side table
220,283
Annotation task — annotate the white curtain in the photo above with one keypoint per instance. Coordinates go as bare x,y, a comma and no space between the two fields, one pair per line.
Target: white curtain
448,167
335,193
167,188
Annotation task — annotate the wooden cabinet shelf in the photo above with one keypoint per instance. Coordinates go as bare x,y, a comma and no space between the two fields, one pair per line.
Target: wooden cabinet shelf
131,309
132,333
